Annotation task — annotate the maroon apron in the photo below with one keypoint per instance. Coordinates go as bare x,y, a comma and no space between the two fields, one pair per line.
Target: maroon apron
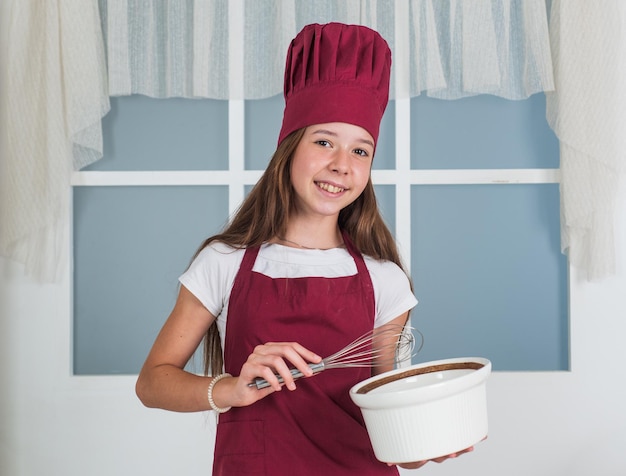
316,429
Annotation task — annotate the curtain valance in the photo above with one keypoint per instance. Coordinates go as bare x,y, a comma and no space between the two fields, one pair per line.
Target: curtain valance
457,48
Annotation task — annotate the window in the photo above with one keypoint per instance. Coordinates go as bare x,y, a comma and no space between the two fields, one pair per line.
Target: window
482,210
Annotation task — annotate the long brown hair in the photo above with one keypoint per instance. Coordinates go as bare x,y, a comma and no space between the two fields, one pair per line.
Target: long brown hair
264,213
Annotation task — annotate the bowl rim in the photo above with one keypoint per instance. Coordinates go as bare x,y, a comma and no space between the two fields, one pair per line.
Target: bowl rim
361,396
414,371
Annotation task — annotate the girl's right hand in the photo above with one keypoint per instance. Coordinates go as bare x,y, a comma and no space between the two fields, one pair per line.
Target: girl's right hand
266,361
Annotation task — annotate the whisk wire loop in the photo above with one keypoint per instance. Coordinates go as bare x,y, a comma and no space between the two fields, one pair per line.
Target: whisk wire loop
389,344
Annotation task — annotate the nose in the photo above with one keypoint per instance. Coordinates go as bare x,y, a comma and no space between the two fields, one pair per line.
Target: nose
341,162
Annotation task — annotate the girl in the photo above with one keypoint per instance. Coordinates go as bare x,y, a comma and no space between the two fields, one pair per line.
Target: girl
305,266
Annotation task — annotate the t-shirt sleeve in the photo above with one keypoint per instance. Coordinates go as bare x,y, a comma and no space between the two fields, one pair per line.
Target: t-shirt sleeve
211,275
392,290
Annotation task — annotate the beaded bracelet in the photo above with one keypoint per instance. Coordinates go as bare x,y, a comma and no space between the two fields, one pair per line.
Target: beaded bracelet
210,393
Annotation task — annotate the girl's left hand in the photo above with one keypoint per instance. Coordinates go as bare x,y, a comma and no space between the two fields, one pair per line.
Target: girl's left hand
441,459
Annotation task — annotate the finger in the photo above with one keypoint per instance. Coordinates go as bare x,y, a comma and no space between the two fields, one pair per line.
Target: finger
291,350
298,355
295,354
275,356
306,354
414,465
441,459
275,371
271,370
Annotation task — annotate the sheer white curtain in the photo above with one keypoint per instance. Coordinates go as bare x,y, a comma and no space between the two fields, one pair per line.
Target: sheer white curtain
588,114
52,98
458,48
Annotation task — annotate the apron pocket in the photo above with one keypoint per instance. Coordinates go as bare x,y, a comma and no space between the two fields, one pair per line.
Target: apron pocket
240,448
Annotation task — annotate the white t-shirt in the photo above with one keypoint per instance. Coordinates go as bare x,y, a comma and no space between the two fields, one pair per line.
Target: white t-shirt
212,274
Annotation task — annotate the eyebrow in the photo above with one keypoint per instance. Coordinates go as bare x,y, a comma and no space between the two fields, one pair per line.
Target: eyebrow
334,134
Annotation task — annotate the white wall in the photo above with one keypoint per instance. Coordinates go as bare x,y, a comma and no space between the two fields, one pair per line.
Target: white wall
541,424
55,424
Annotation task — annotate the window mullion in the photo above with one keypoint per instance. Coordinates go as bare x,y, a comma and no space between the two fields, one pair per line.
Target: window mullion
236,109
401,80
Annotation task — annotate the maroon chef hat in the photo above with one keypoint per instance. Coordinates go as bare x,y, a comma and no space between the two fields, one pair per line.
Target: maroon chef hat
336,73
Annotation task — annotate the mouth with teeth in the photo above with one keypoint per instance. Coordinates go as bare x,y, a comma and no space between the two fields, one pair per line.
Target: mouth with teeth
329,188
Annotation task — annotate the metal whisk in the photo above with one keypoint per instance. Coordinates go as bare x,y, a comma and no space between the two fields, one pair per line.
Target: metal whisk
389,344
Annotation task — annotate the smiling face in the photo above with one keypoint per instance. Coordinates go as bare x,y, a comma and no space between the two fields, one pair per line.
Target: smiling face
330,168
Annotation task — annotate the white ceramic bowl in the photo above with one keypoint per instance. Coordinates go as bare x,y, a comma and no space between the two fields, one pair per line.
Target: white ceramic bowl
426,410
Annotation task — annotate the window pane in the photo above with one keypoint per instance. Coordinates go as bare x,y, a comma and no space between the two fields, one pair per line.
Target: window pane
386,198
263,120
142,133
130,246
489,274
481,132
386,147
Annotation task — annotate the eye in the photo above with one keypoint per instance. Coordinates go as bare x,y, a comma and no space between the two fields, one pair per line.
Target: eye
323,143
361,152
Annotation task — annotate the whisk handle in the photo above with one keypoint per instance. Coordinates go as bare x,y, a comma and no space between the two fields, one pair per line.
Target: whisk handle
260,383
